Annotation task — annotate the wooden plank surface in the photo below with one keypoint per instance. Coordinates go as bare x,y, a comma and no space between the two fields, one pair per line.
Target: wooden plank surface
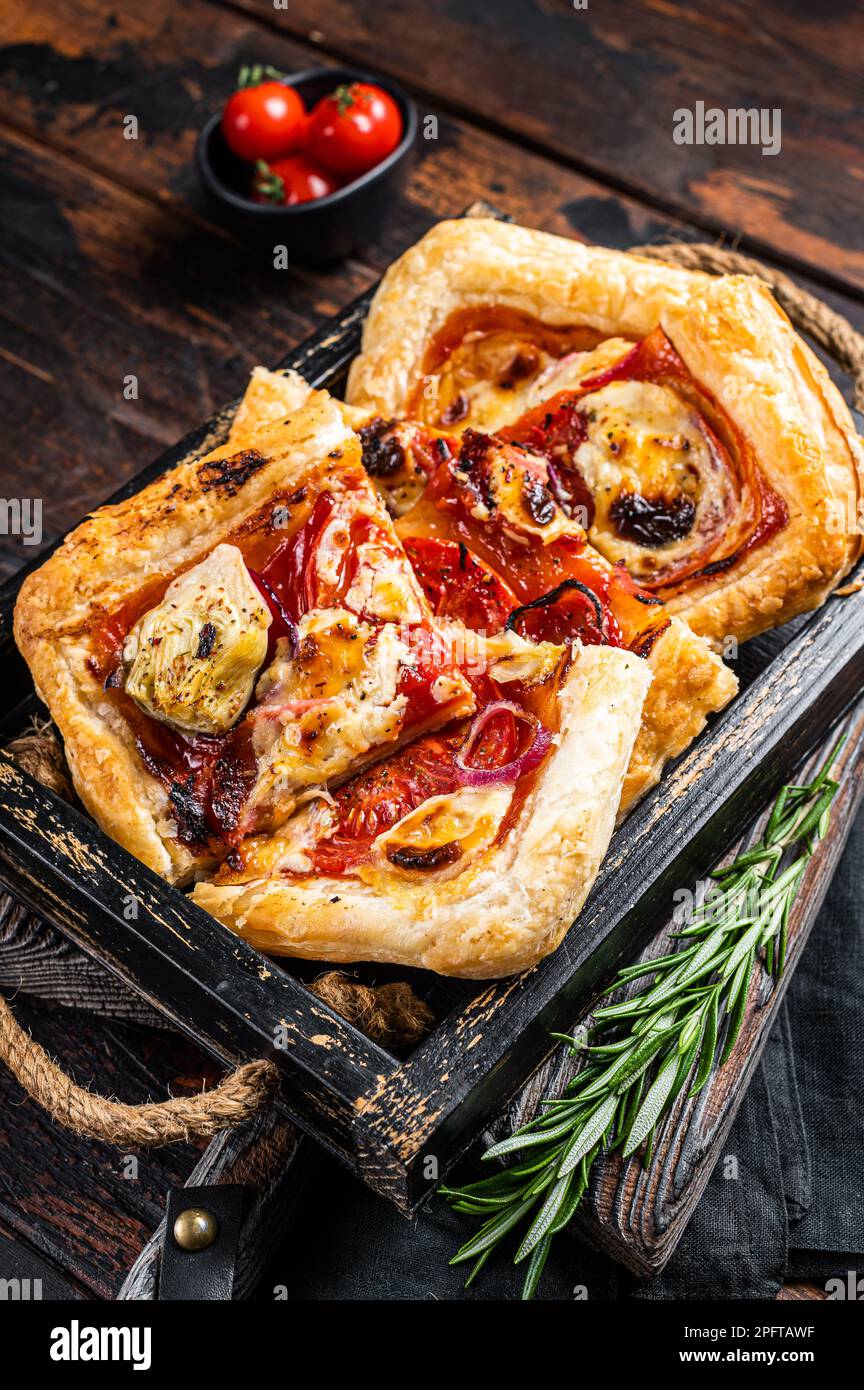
597,87
98,283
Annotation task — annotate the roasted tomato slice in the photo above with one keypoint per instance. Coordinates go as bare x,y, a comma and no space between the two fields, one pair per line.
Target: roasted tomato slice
571,609
498,742
376,799
460,586
290,573
555,429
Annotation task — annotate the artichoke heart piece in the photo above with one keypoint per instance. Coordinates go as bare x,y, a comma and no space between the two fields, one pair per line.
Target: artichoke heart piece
193,658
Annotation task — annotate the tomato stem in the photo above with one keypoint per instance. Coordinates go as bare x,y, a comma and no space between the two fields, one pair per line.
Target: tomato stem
253,74
270,185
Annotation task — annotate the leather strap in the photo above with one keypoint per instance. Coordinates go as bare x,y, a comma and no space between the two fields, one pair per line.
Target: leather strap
202,1275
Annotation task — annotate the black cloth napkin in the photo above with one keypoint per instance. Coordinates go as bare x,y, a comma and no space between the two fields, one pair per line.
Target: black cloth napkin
791,1206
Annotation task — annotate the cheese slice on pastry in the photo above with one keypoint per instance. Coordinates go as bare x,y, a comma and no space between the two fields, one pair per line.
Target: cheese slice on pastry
697,436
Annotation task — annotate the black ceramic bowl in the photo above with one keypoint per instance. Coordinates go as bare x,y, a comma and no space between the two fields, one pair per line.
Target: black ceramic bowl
329,227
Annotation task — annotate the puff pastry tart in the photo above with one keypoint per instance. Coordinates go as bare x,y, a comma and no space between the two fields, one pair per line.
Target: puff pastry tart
254,692
494,546
242,631
682,420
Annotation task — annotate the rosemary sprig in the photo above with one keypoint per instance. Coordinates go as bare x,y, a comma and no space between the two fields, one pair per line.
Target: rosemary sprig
642,1050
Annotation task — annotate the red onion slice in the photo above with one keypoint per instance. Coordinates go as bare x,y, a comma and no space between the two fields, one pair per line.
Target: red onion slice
508,772
283,625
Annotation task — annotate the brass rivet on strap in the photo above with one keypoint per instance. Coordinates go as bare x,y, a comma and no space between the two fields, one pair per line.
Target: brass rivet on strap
195,1229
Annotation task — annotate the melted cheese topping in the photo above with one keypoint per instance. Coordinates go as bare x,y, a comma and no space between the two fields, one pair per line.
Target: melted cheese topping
384,586
462,824
333,547
646,448
567,373
515,484
323,711
287,849
505,656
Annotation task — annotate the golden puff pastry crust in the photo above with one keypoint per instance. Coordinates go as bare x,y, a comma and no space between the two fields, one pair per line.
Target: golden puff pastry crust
734,340
689,682
268,398
742,349
271,396
164,529
480,261
510,907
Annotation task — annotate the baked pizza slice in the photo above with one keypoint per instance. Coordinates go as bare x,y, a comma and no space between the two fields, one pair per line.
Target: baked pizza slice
471,850
685,424
239,634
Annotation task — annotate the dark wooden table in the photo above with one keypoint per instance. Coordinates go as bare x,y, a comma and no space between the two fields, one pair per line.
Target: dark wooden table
111,267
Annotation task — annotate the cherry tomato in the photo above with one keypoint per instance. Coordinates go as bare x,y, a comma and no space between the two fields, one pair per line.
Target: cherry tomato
355,128
264,122
296,179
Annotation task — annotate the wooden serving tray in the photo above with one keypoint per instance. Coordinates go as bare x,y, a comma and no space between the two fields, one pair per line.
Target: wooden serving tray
401,1125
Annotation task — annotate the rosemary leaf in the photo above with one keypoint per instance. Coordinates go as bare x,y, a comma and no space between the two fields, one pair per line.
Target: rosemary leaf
735,1021
523,1140
650,1110
490,1234
535,1268
709,1046
585,1138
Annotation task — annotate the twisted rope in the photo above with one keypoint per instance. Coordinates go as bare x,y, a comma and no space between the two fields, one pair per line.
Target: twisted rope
390,1014
234,1100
